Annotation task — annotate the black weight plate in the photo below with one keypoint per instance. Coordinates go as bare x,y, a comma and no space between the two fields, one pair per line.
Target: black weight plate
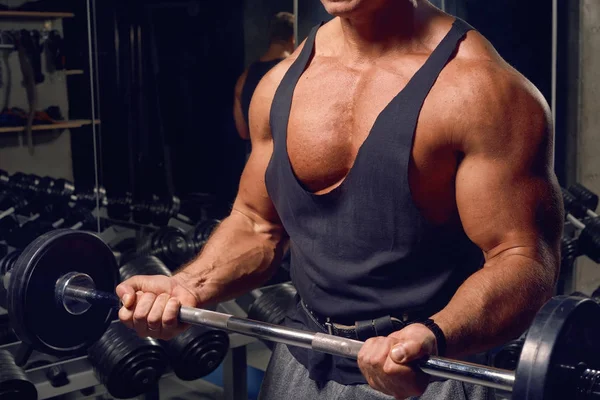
197,352
35,317
126,364
14,384
564,334
144,265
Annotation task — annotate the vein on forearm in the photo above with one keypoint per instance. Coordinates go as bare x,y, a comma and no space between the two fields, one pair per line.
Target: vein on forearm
237,257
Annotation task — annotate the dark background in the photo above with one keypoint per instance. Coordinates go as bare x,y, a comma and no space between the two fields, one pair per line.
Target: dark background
167,71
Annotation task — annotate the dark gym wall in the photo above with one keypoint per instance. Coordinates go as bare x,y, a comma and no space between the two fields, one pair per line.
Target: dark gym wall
521,31
257,16
310,13
567,91
167,72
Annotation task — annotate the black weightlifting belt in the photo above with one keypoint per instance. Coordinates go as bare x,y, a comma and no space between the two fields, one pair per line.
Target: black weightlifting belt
362,330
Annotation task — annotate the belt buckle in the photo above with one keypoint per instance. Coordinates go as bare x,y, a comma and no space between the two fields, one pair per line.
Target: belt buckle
329,325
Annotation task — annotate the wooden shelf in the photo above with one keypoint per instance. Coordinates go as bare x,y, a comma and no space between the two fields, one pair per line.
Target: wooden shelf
74,72
77,123
35,14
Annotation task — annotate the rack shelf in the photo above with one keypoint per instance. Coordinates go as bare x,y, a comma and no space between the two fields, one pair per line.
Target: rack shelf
74,72
77,123
35,14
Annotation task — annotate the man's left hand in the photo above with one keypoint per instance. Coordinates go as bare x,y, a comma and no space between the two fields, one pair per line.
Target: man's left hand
386,361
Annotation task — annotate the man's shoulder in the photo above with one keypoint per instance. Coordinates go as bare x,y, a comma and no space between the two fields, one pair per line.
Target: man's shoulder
484,83
478,71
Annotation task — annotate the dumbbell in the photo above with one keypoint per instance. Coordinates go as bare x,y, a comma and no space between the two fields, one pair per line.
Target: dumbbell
23,235
58,189
4,179
589,236
73,217
159,211
80,218
194,353
31,185
119,207
91,198
170,245
64,190
15,232
585,196
24,182
12,203
581,203
76,217
14,384
127,365
167,209
272,304
569,249
508,357
576,208
201,233
22,202
141,213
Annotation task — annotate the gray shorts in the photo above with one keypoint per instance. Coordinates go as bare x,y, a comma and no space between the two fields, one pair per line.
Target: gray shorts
286,378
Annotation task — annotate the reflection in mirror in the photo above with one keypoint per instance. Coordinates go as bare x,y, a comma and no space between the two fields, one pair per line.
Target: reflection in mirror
175,84
280,43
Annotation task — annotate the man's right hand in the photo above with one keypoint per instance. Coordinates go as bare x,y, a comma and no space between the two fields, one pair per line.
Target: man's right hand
151,305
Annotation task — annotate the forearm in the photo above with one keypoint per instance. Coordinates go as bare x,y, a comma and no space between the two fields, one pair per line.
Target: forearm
239,256
497,303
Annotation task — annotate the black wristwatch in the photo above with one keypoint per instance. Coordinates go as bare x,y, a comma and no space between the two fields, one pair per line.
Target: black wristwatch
439,335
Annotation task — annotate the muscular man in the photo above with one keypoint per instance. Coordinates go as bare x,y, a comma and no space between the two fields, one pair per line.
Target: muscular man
409,169
281,45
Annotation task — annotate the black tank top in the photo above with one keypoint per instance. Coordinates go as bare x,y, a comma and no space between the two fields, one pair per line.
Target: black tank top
256,71
364,250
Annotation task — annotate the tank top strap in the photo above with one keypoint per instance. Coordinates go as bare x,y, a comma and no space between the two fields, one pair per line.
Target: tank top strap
421,84
282,102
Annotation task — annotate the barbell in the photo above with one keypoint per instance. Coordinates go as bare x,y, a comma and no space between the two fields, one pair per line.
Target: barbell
61,300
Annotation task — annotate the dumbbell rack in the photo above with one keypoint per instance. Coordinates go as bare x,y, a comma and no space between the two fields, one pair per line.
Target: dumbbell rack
82,377
81,373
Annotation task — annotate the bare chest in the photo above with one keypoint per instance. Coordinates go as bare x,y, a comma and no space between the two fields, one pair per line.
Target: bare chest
333,113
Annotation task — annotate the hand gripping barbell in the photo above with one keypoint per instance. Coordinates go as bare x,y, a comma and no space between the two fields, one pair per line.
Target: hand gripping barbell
61,299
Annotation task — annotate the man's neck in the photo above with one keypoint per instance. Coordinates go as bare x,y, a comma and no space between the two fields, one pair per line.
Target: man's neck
371,35
276,51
